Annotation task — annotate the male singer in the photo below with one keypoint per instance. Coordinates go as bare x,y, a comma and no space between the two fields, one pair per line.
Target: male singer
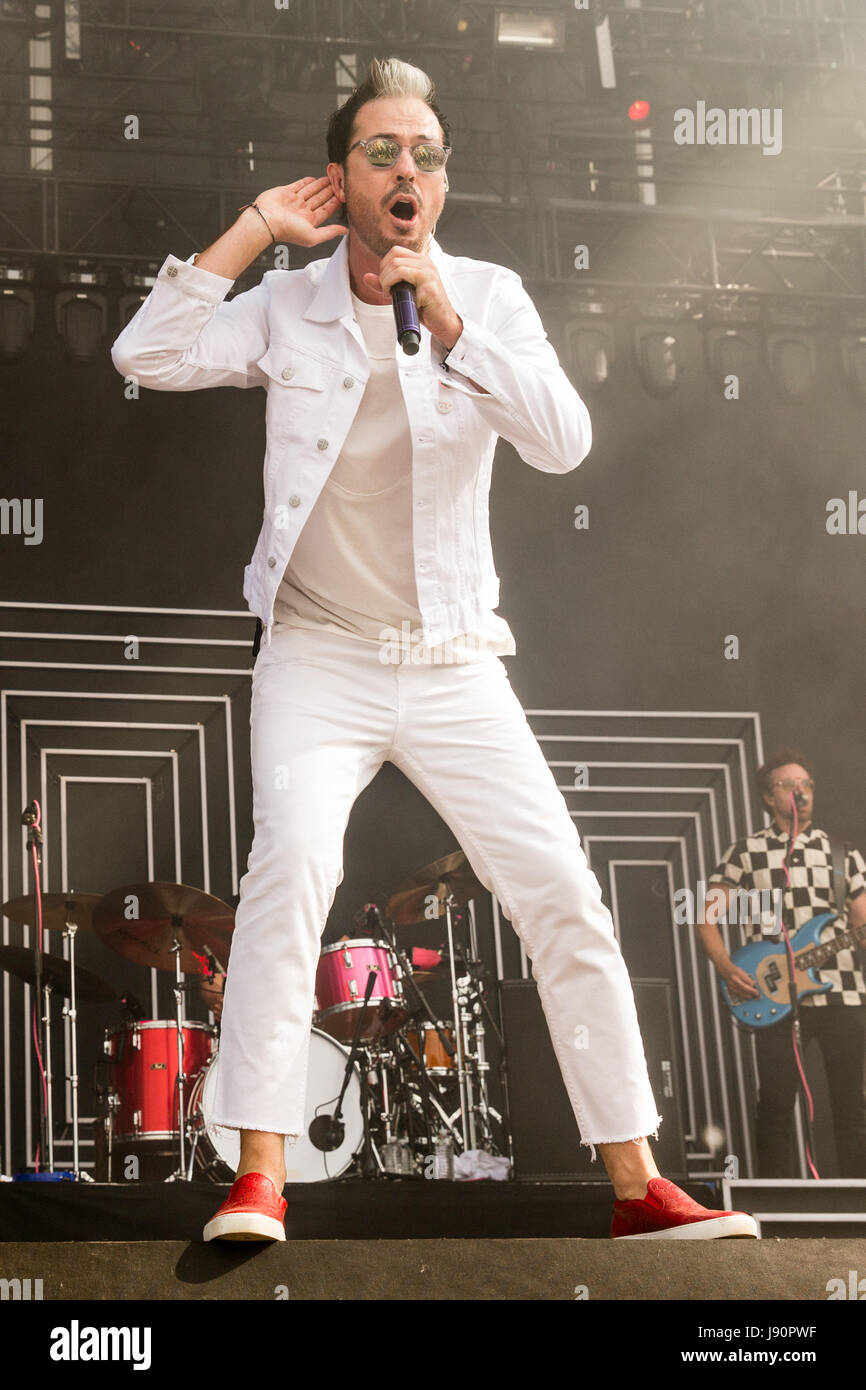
373,578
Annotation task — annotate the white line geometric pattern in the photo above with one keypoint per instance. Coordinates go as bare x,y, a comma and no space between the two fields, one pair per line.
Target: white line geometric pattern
195,752
671,789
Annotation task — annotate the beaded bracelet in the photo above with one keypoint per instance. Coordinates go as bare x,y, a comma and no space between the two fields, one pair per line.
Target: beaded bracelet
261,215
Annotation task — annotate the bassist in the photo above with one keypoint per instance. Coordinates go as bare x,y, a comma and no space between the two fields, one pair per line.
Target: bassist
803,871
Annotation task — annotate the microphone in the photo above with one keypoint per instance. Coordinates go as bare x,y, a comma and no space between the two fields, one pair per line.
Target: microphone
215,967
132,1008
801,799
326,1133
369,919
406,317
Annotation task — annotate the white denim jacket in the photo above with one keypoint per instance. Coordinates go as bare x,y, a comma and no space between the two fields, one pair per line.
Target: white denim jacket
295,334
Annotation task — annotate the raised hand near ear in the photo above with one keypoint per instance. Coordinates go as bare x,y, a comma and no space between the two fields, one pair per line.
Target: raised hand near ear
297,212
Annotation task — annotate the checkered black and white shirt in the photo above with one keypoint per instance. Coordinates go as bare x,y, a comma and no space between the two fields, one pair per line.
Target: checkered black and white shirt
757,862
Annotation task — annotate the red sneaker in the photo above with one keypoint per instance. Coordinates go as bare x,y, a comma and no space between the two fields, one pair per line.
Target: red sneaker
668,1213
253,1210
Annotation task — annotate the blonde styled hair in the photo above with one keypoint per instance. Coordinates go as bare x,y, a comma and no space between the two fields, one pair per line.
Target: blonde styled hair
385,77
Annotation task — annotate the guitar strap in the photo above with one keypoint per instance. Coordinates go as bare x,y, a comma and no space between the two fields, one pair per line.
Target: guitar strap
839,851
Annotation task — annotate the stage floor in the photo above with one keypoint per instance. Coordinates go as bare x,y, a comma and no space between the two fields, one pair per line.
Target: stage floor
346,1209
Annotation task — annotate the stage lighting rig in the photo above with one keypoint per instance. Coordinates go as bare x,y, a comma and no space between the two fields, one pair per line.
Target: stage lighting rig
81,313
540,31
657,357
793,360
17,310
731,352
590,345
853,348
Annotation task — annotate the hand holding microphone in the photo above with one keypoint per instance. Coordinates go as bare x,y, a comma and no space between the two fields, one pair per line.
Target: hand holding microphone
418,296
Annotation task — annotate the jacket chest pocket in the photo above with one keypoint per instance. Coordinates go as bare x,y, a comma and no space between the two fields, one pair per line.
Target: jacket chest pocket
296,383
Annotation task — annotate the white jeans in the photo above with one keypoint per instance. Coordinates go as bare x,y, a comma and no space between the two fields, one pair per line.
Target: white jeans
326,713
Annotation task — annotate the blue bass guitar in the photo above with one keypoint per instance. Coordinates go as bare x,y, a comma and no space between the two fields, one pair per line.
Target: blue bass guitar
767,963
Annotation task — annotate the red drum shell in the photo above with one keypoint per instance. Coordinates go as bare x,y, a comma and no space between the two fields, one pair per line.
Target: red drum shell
143,1060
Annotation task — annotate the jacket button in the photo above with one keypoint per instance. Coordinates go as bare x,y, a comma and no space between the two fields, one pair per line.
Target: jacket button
321,443
171,270
271,561
348,382
444,406
294,500
287,373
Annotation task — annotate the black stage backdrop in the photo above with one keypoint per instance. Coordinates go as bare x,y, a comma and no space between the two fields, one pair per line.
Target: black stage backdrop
707,518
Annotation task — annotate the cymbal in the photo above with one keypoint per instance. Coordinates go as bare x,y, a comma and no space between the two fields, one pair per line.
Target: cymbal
19,961
411,904
57,909
164,911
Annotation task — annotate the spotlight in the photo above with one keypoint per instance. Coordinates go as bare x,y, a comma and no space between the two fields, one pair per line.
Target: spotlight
526,29
17,311
590,351
730,352
657,356
793,362
854,365
81,313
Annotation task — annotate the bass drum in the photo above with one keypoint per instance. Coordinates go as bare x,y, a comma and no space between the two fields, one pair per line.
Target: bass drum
218,1150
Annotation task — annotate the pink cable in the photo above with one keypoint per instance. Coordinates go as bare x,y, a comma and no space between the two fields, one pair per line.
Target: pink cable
794,833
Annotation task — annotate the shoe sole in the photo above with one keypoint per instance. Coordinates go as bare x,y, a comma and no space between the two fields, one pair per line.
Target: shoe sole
719,1228
244,1226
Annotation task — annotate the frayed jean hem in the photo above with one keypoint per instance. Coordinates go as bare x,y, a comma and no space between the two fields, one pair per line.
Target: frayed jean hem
620,1139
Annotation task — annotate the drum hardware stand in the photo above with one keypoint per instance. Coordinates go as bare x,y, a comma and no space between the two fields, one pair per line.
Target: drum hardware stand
113,1102
429,1092
48,1114
369,1159
70,1011
466,1121
426,1086
193,1133
479,1009
31,817
180,1174
462,1031
382,1073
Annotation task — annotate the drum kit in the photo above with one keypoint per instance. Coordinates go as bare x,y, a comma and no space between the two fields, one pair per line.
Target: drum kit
390,1086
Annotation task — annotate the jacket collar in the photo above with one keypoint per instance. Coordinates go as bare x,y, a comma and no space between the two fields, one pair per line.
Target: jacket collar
333,296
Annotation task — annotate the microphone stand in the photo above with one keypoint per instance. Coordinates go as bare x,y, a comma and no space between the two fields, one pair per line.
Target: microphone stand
327,1131
30,818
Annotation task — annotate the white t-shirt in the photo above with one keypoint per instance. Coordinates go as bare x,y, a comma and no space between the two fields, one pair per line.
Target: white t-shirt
352,569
